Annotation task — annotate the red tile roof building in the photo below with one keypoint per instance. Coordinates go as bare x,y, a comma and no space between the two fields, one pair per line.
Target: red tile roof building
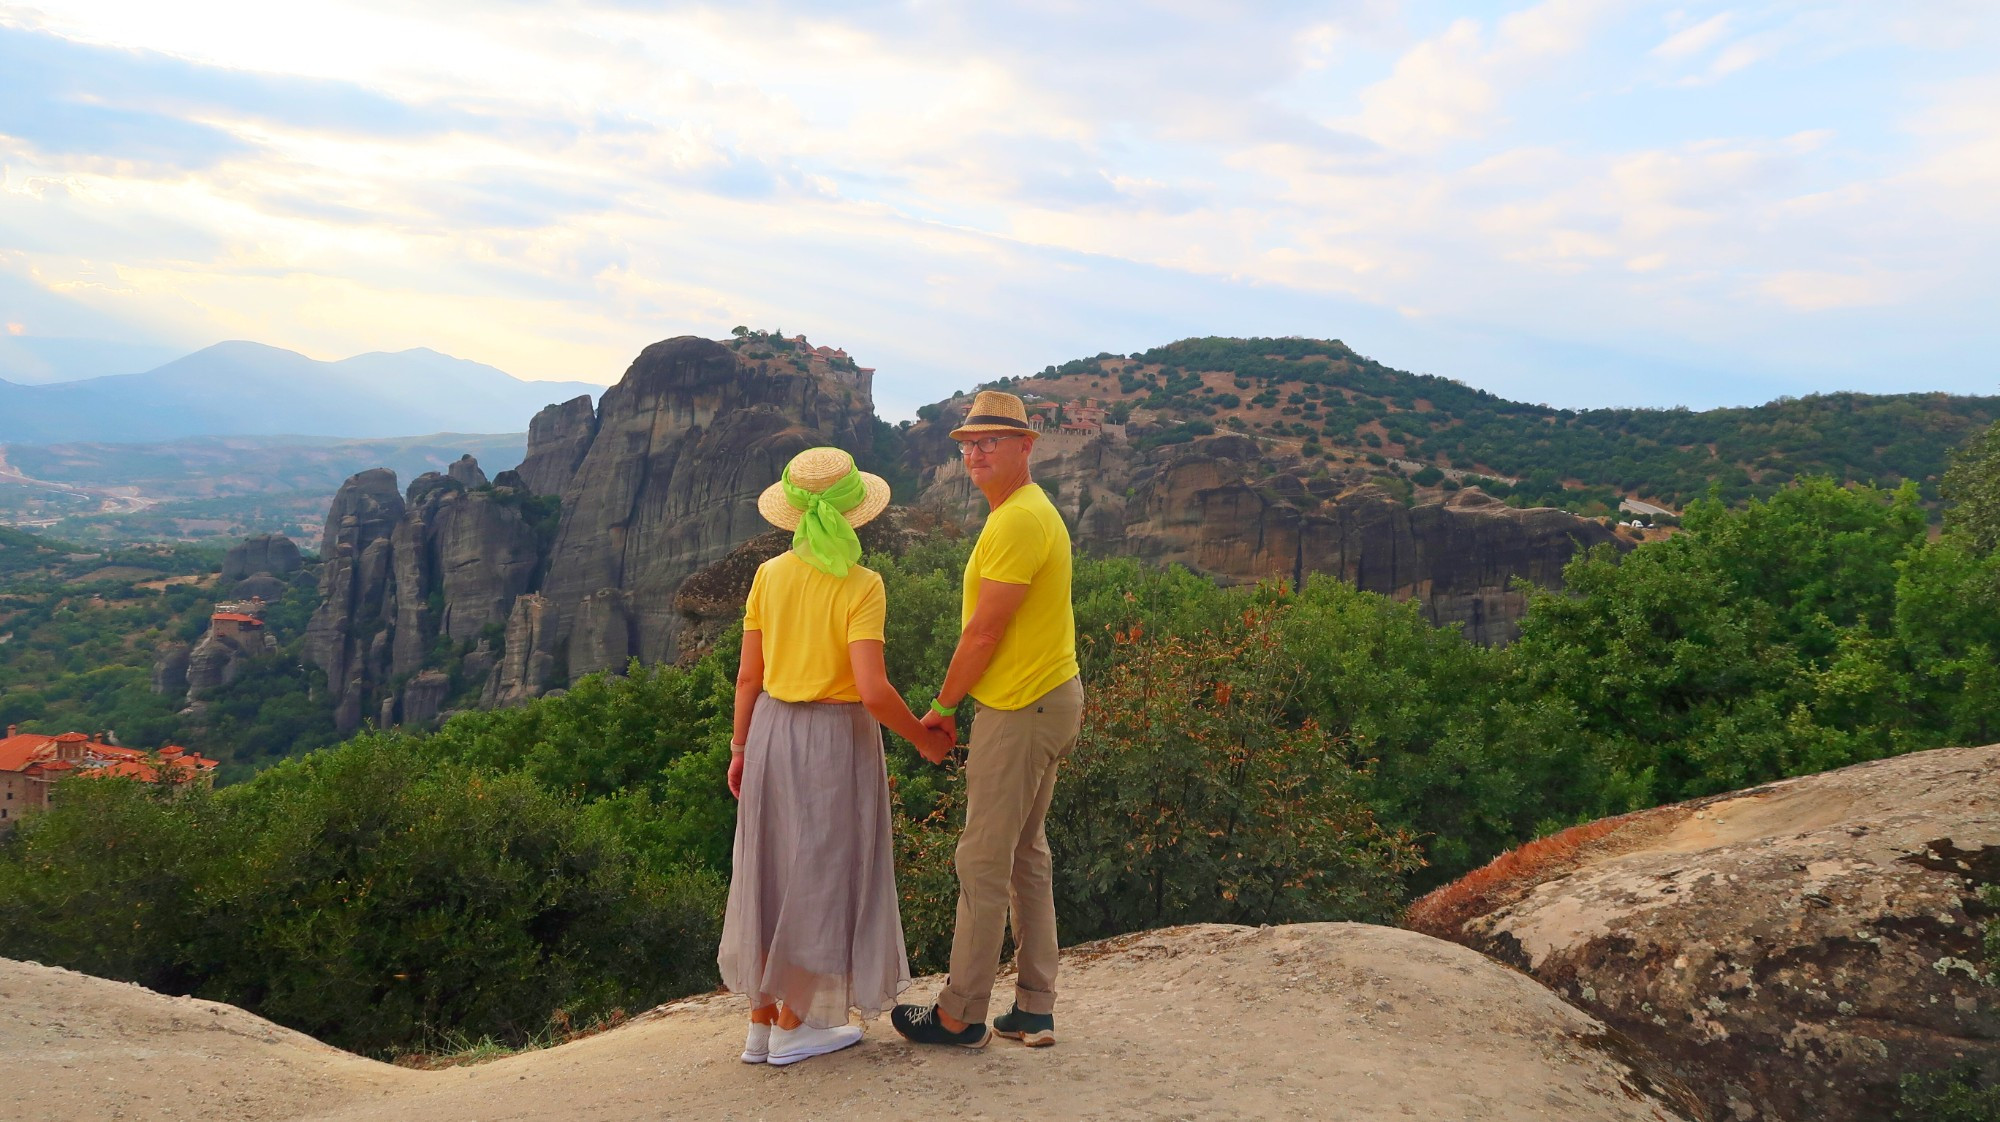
31,763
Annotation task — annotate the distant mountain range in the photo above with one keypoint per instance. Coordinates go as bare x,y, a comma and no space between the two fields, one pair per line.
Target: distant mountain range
244,388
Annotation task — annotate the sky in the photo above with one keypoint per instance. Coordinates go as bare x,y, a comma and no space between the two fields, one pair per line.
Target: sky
1578,202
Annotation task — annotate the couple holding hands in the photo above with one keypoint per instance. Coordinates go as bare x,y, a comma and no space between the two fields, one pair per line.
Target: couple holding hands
812,928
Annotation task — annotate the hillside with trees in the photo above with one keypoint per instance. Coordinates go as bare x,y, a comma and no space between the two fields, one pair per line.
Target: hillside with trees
80,629
1324,398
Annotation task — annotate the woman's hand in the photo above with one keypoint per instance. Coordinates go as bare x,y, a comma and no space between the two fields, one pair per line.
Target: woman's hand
736,771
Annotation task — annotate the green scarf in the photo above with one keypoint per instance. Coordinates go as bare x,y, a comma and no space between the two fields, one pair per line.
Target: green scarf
824,538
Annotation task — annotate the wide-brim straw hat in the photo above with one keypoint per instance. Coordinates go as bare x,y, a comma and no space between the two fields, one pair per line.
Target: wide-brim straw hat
816,469
993,411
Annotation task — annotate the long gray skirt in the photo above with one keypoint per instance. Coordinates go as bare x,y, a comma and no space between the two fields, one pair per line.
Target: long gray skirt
813,919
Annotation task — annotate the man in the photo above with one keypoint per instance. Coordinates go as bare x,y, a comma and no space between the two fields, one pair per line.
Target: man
1016,657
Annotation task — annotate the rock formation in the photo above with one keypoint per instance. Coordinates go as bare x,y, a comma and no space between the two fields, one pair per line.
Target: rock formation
347,636
259,586
1790,951
1225,507
530,661
275,554
1334,1021
466,473
170,669
558,438
660,481
684,444
401,573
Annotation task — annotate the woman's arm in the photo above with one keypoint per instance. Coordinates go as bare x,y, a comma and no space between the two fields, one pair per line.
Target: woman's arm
749,683
883,703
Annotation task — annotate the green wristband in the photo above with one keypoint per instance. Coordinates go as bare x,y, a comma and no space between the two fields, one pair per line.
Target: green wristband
939,707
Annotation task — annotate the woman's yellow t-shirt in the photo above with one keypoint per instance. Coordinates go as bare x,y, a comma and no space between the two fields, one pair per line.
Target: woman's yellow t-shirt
805,619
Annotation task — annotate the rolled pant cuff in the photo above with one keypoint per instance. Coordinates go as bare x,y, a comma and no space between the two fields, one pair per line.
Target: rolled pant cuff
1039,1002
962,1008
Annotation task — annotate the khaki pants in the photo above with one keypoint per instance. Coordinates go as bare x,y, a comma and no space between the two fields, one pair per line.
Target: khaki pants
1003,856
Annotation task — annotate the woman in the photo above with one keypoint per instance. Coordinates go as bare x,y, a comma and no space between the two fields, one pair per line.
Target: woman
812,928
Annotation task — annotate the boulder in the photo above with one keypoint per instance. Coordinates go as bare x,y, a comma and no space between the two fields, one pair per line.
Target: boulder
558,438
260,586
215,662
1790,951
265,553
465,471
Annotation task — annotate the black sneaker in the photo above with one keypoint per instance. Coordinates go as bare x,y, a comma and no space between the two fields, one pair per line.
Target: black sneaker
920,1025
1036,1030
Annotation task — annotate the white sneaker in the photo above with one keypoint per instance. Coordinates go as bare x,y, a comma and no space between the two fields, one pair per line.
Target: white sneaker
789,1046
757,1045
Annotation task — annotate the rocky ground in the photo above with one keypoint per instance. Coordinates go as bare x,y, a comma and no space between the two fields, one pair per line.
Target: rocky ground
1324,1021
1790,950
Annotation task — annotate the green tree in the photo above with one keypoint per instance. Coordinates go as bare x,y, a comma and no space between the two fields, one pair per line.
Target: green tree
1971,487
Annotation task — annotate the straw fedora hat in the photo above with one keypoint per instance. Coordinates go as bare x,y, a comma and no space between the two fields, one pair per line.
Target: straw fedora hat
816,469
992,412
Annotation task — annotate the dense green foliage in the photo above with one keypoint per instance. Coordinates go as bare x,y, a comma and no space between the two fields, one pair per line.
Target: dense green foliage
1328,392
371,895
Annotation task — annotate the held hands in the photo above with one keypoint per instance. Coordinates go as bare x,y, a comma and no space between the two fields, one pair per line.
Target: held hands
944,736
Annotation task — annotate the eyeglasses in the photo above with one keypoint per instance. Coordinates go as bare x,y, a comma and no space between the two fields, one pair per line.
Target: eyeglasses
985,444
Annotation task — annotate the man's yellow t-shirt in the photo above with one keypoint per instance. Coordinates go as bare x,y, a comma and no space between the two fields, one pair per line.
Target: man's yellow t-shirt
1025,542
805,619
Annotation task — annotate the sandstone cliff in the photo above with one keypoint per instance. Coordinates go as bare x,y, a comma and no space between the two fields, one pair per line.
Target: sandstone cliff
347,636
402,572
1333,1021
1790,951
275,554
558,438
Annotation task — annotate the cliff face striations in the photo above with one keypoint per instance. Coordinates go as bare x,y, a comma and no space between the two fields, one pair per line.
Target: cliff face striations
401,572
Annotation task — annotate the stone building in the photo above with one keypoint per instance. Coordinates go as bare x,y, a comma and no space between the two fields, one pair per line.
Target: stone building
32,763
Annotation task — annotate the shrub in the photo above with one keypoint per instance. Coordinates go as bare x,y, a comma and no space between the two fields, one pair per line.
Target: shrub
1224,810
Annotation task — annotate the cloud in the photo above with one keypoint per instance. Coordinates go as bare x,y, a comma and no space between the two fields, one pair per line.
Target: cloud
1822,292
1452,85
545,188
1694,39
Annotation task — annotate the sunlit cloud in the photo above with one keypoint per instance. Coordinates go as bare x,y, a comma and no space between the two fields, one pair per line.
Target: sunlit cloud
1555,200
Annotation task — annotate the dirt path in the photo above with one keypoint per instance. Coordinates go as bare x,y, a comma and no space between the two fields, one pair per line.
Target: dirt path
1327,1021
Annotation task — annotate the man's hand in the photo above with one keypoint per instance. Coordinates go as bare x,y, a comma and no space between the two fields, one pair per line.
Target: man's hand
937,748
944,735
736,772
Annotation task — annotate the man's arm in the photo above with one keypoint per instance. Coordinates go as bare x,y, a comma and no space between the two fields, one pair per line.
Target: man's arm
998,601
